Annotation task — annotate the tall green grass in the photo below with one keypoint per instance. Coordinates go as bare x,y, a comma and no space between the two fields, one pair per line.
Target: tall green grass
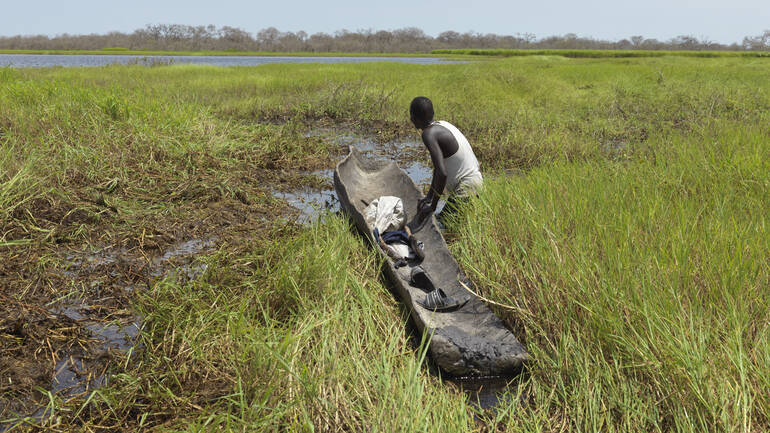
642,287
64,137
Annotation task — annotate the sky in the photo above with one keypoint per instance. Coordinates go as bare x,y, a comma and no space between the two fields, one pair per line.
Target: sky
723,21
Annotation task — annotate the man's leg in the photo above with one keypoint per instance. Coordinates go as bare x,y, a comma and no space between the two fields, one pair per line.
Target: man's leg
456,199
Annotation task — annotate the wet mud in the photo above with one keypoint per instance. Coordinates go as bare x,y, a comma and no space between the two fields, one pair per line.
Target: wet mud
87,329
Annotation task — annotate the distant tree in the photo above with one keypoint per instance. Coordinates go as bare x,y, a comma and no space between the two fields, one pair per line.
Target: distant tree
686,42
233,38
321,42
410,39
757,43
268,39
449,38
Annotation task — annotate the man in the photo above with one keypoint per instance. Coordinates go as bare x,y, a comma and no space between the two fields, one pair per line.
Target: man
455,167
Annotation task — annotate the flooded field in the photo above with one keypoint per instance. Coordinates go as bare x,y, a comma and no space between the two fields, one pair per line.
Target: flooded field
111,330
158,270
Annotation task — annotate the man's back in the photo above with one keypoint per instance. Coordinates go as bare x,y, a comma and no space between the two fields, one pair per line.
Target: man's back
462,167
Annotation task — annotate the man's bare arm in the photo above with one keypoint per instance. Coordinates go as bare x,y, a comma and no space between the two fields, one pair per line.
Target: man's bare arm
439,169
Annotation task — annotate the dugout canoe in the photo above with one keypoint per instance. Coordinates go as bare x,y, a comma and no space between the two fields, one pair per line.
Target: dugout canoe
470,341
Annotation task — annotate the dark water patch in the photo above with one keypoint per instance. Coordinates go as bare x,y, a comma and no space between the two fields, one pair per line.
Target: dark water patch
77,60
82,369
310,202
313,201
176,257
485,393
76,373
180,259
403,151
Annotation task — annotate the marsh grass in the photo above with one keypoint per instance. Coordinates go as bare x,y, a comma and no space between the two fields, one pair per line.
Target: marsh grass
634,243
64,141
641,287
297,335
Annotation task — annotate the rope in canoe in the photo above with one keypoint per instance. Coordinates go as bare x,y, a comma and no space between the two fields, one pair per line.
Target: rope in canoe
489,301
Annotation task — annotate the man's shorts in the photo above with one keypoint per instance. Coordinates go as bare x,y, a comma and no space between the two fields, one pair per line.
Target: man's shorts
468,186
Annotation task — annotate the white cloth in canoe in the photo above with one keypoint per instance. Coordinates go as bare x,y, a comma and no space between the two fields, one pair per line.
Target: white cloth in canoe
387,214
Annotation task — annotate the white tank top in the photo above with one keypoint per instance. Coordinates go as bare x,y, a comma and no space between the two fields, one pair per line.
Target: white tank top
463,174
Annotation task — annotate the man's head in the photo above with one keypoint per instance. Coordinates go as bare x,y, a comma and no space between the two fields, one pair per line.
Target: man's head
421,112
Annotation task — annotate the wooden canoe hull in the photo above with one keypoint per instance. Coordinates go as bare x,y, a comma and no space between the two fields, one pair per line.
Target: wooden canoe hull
470,341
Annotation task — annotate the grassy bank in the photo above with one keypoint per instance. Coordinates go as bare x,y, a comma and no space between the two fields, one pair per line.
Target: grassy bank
635,243
600,54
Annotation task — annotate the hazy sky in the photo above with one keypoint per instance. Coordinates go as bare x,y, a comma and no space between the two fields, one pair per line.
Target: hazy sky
723,21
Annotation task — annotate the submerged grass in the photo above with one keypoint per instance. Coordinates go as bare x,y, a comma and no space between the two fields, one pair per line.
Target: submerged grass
634,243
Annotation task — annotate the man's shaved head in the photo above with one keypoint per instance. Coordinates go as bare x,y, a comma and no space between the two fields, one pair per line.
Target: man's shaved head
421,111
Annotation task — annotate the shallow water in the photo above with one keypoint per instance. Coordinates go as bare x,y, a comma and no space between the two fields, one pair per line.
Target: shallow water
76,60
178,259
74,376
312,202
484,392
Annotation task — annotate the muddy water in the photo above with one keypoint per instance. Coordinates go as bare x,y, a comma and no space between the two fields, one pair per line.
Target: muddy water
485,393
313,202
119,335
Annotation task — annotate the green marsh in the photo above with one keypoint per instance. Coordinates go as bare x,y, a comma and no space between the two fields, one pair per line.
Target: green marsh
625,216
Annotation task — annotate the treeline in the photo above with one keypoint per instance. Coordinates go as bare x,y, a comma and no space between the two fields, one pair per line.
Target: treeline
177,37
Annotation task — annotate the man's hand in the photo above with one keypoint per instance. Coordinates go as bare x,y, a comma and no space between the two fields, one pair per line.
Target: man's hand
425,203
425,208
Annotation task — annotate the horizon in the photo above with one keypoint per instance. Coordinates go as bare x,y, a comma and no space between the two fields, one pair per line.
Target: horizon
599,19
